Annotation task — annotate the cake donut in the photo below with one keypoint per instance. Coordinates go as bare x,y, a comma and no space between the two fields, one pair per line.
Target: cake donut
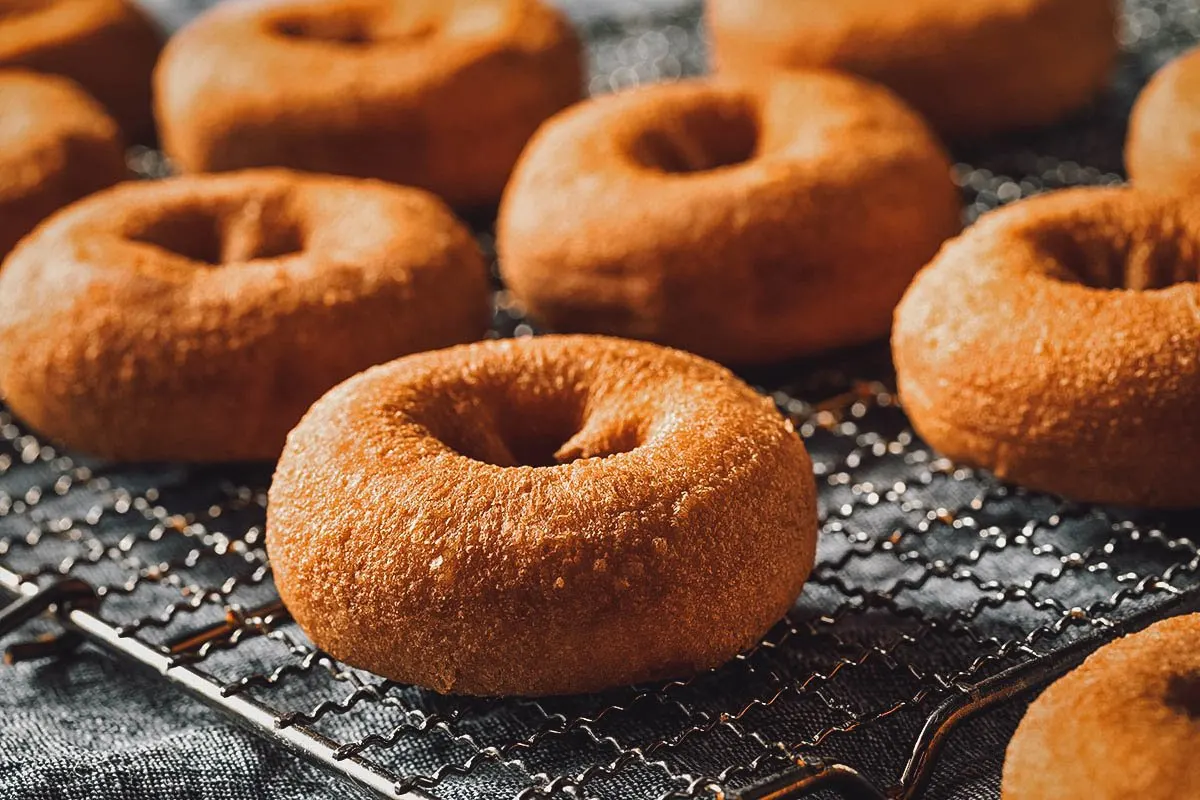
474,520
1162,151
746,224
972,68
440,95
1057,343
107,46
197,318
1125,724
56,145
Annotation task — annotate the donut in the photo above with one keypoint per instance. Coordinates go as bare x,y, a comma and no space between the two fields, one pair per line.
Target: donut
474,520
107,46
440,95
197,318
746,224
972,68
56,145
1057,343
1162,151
1125,724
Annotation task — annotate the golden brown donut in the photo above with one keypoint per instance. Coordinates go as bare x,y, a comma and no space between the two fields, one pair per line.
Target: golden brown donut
1124,725
745,224
475,520
972,67
441,94
107,46
1162,152
56,145
197,318
1057,343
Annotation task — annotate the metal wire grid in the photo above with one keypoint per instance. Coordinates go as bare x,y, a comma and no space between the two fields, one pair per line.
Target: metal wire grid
932,580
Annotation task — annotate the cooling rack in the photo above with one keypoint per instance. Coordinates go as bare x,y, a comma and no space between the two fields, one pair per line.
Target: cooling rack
939,593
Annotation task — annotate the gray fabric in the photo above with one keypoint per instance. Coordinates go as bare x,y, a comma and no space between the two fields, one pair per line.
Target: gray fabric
881,622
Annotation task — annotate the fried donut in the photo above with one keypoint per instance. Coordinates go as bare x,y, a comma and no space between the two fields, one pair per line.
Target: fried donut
1126,724
972,68
56,145
1057,343
1162,151
197,318
474,520
441,95
745,224
107,46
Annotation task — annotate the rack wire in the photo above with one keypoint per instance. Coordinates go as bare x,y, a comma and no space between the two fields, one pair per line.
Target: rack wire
939,593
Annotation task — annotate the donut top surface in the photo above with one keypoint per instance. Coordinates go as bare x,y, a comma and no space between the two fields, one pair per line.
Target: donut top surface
30,25
1163,148
46,122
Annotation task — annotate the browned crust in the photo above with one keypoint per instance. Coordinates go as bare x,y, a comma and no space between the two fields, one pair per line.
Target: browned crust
806,246
1162,151
1113,729
116,342
107,46
444,109
1012,353
690,531
56,145
972,68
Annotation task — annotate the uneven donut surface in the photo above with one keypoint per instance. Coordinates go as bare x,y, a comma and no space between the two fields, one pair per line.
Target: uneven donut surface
440,95
56,145
1057,343
106,46
744,224
1125,724
197,318
1162,151
480,519
972,68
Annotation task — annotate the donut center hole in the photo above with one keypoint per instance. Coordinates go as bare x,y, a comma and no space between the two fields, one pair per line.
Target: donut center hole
722,132
1183,694
353,30
215,239
1157,260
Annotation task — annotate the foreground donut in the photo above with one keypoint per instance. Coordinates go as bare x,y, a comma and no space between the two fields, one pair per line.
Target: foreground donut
972,68
198,318
107,46
474,520
56,145
1126,724
747,225
1057,343
441,95
1162,152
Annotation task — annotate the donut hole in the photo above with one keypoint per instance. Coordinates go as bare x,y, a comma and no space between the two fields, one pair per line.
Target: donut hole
1183,694
717,133
355,30
211,238
1094,258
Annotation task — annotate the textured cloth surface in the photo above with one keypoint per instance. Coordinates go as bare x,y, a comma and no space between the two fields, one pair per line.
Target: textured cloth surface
93,727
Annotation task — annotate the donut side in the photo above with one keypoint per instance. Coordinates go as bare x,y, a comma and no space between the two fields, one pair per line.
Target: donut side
1055,343
1162,149
677,525
1124,724
57,145
197,318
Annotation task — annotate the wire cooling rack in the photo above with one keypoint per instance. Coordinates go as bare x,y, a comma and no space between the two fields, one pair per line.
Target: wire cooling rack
938,594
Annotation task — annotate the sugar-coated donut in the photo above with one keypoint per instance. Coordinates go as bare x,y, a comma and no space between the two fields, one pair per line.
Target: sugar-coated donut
1124,725
745,224
197,318
1162,152
107,46
972,67
1057,343
430,93
56,145
475,520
